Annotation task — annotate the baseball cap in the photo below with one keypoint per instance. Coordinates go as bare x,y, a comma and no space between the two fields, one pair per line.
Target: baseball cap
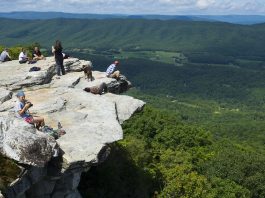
20,93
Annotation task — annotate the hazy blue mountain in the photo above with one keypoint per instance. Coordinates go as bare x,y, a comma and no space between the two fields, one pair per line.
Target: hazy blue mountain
53,15
237,19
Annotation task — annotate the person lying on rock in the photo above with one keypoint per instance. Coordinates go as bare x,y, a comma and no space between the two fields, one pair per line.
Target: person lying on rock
22,111
36,54
112,71
101,89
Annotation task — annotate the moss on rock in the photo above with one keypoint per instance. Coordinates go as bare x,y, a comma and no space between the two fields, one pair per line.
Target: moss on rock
9,171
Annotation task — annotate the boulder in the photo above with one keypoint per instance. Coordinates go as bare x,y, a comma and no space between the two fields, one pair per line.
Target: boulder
16,76
22,142
5,95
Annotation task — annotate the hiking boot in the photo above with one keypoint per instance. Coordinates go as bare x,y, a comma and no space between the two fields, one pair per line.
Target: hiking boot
61,132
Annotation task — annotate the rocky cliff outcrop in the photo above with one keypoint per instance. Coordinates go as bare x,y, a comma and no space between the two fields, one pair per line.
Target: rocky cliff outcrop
91,123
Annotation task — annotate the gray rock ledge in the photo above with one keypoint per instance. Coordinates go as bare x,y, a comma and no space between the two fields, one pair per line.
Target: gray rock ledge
91,123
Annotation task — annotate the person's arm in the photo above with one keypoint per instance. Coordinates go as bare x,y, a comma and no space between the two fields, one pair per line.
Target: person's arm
24,109
8,55
53,49
34,54
19,56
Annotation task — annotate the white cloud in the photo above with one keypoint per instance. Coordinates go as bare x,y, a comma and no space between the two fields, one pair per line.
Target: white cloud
203,4
138,6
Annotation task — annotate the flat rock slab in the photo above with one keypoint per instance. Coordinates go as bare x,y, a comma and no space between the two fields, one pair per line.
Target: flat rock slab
126,106
90,121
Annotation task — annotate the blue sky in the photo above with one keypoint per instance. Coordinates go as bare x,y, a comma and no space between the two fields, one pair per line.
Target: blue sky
172,7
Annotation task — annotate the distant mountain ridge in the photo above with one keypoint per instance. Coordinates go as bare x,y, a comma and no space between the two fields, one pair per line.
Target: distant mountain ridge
138,34
236,19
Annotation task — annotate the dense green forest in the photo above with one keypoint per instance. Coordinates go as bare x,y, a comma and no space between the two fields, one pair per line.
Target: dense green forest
202,131
215,108
163,157
186,36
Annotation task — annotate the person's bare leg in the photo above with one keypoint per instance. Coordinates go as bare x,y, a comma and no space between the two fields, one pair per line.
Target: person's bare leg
116,74
39,121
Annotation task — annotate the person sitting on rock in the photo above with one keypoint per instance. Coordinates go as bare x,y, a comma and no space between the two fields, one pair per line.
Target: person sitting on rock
112,72
22,58
101,89
5,56
22,111
36,55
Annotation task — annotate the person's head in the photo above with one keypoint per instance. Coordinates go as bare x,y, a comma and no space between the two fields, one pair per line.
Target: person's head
21,96
58,44
6,49
87,89
116,62
23,50
36,49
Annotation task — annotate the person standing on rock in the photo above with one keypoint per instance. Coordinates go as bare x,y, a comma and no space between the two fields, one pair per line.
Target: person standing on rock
22,111
112,71
57,50
5,56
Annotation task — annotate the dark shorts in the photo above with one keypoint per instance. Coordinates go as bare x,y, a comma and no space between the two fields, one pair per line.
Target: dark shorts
29,119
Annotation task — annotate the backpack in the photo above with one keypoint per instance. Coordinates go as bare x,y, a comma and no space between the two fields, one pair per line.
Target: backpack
34,69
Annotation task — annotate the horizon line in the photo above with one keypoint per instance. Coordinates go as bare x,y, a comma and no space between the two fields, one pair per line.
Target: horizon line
120,14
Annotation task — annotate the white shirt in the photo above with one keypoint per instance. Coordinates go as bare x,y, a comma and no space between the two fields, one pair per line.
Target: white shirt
3,55
22,56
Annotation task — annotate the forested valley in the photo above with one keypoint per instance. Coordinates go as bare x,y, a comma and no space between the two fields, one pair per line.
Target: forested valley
202,131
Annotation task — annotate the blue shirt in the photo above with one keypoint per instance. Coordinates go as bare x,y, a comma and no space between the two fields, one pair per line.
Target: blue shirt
111,69
19,106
